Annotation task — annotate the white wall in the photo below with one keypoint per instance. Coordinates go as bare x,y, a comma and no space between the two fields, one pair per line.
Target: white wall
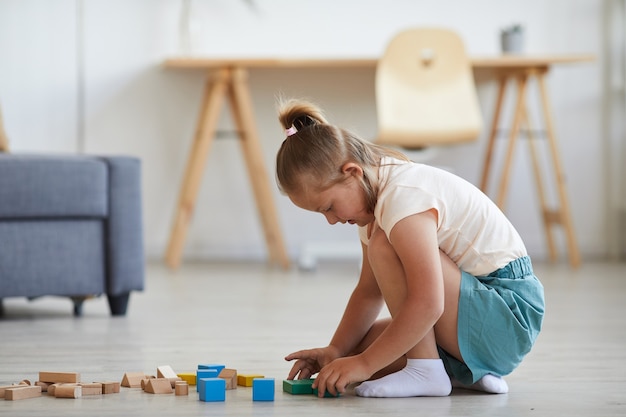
102,89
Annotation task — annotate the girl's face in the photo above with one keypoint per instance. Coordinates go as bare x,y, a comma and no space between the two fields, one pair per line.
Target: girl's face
340,203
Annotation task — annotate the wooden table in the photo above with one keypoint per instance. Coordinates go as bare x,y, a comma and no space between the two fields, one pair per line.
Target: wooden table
227,78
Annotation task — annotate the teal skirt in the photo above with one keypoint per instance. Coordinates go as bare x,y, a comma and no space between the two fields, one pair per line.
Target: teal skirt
500,316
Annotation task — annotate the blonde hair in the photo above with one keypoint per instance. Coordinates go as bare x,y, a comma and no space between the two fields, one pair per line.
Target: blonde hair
315,154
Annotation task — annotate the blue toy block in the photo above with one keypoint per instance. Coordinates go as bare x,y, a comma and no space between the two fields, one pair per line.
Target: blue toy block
205,373
218,367
212,389
263,389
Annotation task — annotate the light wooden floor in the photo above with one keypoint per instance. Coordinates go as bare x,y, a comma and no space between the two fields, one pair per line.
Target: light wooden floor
248,316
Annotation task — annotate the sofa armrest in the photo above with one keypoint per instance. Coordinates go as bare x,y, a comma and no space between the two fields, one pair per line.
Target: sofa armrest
124,228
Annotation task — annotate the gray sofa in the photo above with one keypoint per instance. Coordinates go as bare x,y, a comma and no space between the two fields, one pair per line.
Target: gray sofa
71,225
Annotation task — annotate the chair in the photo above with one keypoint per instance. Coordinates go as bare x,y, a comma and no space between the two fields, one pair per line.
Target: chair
425,92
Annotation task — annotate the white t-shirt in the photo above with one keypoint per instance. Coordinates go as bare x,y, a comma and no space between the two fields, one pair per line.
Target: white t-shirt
471,229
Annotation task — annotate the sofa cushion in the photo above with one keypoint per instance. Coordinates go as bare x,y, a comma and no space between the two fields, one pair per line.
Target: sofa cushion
52,186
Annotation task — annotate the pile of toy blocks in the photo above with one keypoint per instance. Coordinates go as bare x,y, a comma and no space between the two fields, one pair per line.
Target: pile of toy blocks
59,385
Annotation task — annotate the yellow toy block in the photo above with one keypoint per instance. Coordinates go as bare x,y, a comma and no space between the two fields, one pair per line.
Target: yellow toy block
189,377
246,380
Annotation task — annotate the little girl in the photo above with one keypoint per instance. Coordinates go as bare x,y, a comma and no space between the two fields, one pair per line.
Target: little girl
453,272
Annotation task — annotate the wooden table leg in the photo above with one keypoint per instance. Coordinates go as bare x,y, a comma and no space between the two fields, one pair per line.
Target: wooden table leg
212,102
545,210
484,182
564,216
4,141
244,118
522,82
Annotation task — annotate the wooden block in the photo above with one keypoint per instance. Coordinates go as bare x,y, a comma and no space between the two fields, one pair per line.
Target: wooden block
133,379
181,388
166,371
230,375
52,388
188,377
298,386
4,387
94,388
64,377
263,389
21,392
110,387
159,386
68,391
44,385
246,380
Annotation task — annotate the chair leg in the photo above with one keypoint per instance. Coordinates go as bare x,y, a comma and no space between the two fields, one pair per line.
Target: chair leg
118,303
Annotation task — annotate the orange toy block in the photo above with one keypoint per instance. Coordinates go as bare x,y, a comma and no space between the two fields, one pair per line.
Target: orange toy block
63,377
246,380
133,379
110,387
21,392
159,386
94,388
181,388
68,391
230,375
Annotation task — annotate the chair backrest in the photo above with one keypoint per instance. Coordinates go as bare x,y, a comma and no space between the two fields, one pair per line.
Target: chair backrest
425,92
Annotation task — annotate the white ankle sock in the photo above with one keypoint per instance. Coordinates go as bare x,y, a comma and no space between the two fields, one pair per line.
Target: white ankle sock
489,383
420,378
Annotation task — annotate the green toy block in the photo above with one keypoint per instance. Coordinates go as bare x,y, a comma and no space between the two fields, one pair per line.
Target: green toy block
326,394
298,386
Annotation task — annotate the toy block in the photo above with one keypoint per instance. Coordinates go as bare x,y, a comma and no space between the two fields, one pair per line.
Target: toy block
230,375
52,388
133,379
63,377
218,367
298,386
205,373
326,394
21,392
166,371
144,382
93,388
246,380
181,388
188,377
44,385
68,391
263,389
110,387
212,389
159,386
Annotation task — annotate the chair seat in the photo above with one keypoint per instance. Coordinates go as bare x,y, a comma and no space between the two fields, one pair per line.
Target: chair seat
52,186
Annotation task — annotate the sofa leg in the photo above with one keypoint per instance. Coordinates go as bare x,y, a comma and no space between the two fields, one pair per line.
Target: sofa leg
78,307
118,303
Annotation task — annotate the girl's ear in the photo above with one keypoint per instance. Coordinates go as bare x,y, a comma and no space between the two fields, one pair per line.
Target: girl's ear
352,169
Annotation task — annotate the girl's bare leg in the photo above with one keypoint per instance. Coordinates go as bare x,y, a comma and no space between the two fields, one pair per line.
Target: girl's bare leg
421,372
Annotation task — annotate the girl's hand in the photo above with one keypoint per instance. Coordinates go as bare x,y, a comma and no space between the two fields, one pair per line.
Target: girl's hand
336,376
310,361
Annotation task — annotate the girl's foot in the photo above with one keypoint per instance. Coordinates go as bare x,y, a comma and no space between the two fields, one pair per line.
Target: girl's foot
420,378
489,383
